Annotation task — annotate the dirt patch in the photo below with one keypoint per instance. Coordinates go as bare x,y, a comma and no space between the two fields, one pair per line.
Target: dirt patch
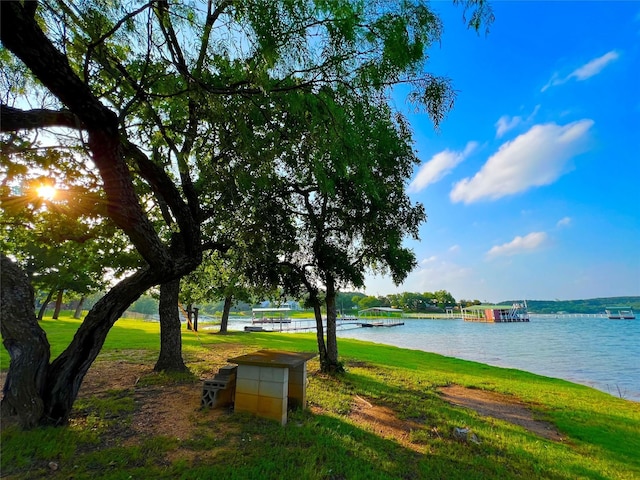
118,375
502,407
164,409
384,422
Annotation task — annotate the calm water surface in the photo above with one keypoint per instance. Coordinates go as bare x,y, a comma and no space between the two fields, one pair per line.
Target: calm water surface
601,353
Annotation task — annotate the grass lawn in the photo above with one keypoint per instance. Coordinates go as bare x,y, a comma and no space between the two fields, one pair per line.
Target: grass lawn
386,418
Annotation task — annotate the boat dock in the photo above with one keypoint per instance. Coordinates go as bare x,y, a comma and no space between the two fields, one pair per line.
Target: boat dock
620,313
277,319
310,324
379,317
384,323
496,313
271,320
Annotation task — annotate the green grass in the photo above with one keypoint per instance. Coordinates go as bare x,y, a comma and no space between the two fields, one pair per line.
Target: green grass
602,433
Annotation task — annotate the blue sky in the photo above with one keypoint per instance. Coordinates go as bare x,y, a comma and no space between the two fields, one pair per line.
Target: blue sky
532,183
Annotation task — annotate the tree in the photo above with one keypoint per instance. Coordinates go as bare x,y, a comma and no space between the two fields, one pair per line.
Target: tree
444,298
346,303
148,103
339,176
219,276
21,34
349,201
369,301
27,346
170,356
146,304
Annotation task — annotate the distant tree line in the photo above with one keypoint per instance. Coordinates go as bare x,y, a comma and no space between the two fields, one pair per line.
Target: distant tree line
346,303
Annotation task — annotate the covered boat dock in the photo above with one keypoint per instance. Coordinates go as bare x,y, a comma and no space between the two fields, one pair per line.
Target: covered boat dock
496,313
380,317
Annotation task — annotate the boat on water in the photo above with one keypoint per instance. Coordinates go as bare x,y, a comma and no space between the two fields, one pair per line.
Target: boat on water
620,313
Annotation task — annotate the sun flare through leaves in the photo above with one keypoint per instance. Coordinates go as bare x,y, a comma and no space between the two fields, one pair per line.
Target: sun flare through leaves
46,192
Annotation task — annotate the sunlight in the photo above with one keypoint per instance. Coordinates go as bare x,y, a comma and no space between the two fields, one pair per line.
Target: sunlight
47,192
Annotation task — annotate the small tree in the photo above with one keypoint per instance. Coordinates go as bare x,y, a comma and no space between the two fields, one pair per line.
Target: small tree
218,277
346,198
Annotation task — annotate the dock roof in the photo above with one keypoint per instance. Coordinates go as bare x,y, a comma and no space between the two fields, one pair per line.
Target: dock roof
271,309
382,309
488,307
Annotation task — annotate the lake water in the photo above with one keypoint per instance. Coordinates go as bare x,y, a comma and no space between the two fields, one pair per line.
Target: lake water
594,351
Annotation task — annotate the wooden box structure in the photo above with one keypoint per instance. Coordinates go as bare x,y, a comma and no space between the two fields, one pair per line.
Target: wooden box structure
268,382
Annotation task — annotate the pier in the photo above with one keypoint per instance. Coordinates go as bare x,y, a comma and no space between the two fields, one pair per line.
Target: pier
569,315
277,319
292,325
386,322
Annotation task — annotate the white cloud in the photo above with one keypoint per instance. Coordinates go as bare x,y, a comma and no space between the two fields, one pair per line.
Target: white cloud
595,66
440,165
555,80
535,158
587,70
506,123
454,248
564,222
528,243
426,261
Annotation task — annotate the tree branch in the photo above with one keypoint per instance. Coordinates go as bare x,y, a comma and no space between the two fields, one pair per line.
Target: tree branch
109,33
167,192
13,119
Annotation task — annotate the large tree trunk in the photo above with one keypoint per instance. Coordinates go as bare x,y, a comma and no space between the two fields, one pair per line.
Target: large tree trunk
224,321
170,358
332,363
27,345
78,312
43,307
56,311
67,372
